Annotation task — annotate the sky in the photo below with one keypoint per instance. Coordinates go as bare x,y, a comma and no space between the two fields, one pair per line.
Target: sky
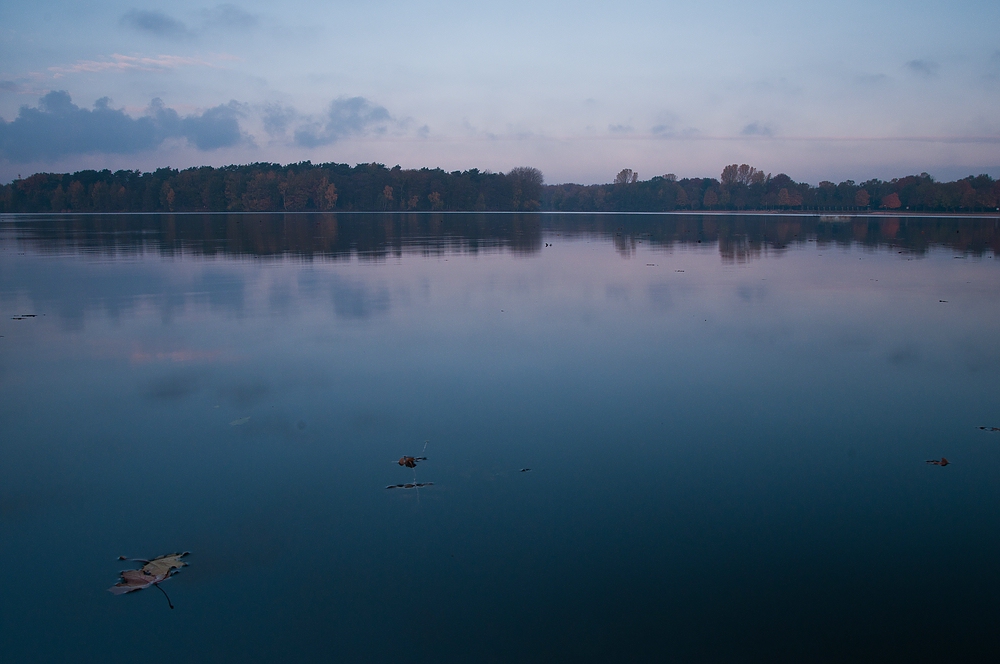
820,91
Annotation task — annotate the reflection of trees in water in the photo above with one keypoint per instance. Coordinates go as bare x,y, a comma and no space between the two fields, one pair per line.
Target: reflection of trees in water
739,238
367,236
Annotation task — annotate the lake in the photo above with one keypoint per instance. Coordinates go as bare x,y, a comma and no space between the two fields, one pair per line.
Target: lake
727,421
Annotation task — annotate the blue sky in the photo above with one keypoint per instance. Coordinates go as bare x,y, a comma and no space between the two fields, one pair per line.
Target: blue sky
579,90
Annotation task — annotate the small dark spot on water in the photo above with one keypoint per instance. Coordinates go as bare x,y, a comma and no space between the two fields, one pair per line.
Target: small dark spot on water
300,425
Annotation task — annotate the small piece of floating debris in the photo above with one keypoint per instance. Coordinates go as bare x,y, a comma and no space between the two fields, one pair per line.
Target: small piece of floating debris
938,462
410,462
524,470
990,428
411,485
239,422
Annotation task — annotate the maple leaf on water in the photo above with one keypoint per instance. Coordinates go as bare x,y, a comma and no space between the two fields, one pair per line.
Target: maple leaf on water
151,573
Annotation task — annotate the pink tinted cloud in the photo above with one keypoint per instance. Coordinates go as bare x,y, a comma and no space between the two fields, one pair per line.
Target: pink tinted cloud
121,63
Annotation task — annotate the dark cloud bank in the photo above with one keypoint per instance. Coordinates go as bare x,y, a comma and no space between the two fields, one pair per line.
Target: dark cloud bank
152,22
155,22
58,127
346,116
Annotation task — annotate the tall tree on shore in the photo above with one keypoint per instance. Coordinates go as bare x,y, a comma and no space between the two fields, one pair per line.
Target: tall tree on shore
626,176
526,187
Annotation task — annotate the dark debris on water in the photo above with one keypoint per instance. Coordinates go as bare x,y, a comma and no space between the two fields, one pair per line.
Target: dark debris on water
410,462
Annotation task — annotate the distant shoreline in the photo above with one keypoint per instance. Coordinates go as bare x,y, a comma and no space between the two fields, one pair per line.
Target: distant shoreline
823,216
307,187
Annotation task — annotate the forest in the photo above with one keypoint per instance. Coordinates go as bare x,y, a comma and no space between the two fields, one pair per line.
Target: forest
307,187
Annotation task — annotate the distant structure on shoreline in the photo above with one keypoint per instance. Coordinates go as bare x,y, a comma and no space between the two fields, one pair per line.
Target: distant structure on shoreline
304,187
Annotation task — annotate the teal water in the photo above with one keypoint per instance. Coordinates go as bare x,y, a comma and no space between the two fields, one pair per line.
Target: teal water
726,419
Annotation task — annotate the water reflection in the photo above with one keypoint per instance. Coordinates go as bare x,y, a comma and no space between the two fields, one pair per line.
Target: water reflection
739,238
727,426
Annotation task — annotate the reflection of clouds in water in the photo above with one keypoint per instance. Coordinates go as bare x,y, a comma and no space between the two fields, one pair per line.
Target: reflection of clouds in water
904,356
357,300
978,354
616,293
225,291
172,387
364,419
749,293
855,341
279,297
81,291
307,282
273,426
171,304
245,393
660,297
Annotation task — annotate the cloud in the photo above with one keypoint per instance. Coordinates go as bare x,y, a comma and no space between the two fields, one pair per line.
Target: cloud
347,116
925,68
876,80
756,129
217,127
278,118
121,63
155,23
58,127
229,16
620,129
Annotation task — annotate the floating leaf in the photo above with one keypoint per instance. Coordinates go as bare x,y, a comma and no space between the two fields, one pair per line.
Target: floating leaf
151,573
410,462
938,462
239,422
411,485
990,428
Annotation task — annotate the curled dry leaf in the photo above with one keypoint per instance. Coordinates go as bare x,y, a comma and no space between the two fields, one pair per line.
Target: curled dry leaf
411,462
153,572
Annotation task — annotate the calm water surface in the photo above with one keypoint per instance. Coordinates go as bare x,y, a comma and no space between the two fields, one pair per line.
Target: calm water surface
726,420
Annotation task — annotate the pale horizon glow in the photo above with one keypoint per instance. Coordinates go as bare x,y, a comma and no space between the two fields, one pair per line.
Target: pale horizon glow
578,90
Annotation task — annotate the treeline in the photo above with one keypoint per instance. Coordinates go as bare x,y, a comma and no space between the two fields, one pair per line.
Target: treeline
264,187
302,187
743,187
